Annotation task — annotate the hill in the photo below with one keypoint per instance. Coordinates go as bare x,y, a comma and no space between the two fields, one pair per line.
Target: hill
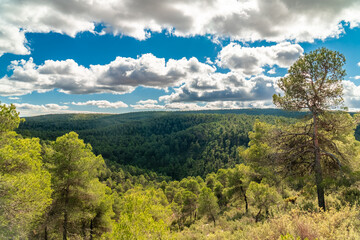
176,144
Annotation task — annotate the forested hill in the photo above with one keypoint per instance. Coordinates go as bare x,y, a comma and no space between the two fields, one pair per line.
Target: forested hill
176,144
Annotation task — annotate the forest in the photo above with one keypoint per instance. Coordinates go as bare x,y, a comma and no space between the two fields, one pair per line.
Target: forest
286,173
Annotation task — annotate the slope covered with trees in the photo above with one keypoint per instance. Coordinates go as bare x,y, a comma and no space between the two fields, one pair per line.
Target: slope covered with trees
172,144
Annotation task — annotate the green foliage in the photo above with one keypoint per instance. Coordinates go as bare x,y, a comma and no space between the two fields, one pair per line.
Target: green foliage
81,204
144,214
313,82
262,196
208,205
9,118
238,182
24,184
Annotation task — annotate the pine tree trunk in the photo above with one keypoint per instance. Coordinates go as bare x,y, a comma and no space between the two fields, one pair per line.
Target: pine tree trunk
91,229
257,217
214,220
65,225
318,170
245,199
65,214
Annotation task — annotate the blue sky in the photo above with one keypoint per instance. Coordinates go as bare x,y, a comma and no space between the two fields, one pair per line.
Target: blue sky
123,56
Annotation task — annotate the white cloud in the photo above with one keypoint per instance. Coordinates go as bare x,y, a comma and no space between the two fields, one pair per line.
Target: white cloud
239,105
358,64
272,71
27,109
215,105
232,86
50,106
149,104
102,104
120,76
245,20
14,98
149,101
208,61
351,95
184,106
251,60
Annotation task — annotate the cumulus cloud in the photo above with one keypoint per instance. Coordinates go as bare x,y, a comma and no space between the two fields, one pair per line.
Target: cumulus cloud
122,75
232,86
150,104
251,60
50,106
351,95
102,104
27,109
245,20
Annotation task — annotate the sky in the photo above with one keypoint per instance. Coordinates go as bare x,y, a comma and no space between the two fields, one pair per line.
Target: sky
118,56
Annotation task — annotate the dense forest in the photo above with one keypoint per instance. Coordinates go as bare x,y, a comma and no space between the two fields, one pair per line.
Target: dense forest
178,144
243,174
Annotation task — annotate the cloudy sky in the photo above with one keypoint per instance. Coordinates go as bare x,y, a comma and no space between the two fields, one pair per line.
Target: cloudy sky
119,56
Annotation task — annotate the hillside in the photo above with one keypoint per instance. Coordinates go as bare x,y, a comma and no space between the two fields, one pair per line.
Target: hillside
177,144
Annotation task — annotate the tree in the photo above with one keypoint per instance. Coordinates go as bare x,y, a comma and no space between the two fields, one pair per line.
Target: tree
24,184
80,201
314,83
9,118
208,205
262,196
144,214
239,179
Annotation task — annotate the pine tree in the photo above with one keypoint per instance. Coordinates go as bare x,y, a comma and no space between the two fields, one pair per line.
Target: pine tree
208,205
314,83
80,201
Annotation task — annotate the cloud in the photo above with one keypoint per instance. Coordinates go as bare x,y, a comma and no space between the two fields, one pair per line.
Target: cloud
207,106
358,64
149,101
232,86
245,20
50,106
14,98
27,109
101,104
150,104
120,76
239,105
251,60
272,71
351,95
184,106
